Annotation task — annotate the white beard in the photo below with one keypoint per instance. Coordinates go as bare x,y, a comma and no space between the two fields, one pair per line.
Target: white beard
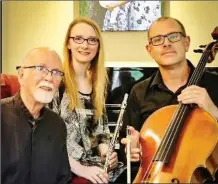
43,96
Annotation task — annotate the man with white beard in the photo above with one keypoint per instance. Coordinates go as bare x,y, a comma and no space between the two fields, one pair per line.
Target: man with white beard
33,139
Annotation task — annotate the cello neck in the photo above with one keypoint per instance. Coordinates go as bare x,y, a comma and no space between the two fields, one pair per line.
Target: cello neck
199,70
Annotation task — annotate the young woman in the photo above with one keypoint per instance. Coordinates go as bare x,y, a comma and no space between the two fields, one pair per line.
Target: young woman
81,103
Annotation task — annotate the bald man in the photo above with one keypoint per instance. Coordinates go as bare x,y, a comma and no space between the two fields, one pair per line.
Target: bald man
34,137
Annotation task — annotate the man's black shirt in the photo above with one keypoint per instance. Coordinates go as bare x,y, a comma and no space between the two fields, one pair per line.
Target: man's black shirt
151,94
33,150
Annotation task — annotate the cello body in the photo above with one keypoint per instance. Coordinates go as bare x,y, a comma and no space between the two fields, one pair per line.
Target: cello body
193,157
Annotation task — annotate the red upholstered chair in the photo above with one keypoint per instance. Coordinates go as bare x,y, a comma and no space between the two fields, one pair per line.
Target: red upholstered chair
80,180
9,85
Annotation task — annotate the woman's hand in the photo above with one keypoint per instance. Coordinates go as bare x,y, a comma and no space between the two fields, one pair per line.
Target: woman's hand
95,174
113,159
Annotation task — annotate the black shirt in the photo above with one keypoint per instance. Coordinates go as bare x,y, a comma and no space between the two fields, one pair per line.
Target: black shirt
33,151
151,94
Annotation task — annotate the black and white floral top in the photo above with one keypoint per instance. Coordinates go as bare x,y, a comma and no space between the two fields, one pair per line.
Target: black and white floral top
82,143
84,134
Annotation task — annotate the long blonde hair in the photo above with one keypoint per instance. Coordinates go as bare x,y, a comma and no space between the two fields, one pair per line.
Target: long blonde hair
97,69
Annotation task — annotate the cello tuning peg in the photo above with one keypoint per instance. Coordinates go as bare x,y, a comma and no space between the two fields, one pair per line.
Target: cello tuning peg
202,46
198,50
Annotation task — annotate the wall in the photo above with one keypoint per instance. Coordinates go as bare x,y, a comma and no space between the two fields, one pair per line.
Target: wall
199,18
29,24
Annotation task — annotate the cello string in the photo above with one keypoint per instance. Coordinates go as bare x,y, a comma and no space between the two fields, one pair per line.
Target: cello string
151,165
194,79
177,115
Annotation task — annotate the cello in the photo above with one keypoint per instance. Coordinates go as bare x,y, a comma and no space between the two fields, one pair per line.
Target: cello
177,150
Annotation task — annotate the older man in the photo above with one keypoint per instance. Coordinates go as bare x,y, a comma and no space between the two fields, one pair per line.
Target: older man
33,137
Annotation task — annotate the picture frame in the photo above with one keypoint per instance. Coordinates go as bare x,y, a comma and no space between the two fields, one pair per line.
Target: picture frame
114,16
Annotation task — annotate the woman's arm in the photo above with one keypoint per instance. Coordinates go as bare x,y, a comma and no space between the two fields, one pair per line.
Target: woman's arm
76,167
92,173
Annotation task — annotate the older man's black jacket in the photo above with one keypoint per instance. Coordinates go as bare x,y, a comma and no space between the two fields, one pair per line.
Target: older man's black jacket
32,154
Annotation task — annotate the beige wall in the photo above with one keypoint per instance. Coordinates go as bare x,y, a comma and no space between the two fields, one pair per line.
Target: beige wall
29,24
199,18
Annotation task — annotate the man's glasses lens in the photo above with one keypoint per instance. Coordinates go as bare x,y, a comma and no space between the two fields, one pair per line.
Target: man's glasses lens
54,73
44,71
172,37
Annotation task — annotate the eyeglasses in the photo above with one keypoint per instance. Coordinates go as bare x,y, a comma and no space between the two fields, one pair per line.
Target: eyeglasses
80,40
44,71
172,37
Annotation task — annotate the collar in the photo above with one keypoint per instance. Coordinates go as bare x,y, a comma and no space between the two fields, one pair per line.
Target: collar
20,105
158,81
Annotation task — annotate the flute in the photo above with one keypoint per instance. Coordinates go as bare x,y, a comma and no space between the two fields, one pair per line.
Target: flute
116,132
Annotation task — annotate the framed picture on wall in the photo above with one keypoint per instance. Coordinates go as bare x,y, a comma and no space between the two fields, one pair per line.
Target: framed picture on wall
121,15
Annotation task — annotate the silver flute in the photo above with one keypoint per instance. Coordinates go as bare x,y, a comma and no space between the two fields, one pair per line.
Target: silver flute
116,132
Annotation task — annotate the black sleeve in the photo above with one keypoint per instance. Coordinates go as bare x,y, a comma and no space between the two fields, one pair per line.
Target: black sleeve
209,82
64,175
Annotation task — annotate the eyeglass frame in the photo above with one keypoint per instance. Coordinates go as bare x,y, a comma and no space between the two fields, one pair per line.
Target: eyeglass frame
45,71
164,36
84,39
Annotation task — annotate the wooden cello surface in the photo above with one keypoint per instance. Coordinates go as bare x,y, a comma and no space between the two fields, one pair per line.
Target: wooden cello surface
195,148
180,143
